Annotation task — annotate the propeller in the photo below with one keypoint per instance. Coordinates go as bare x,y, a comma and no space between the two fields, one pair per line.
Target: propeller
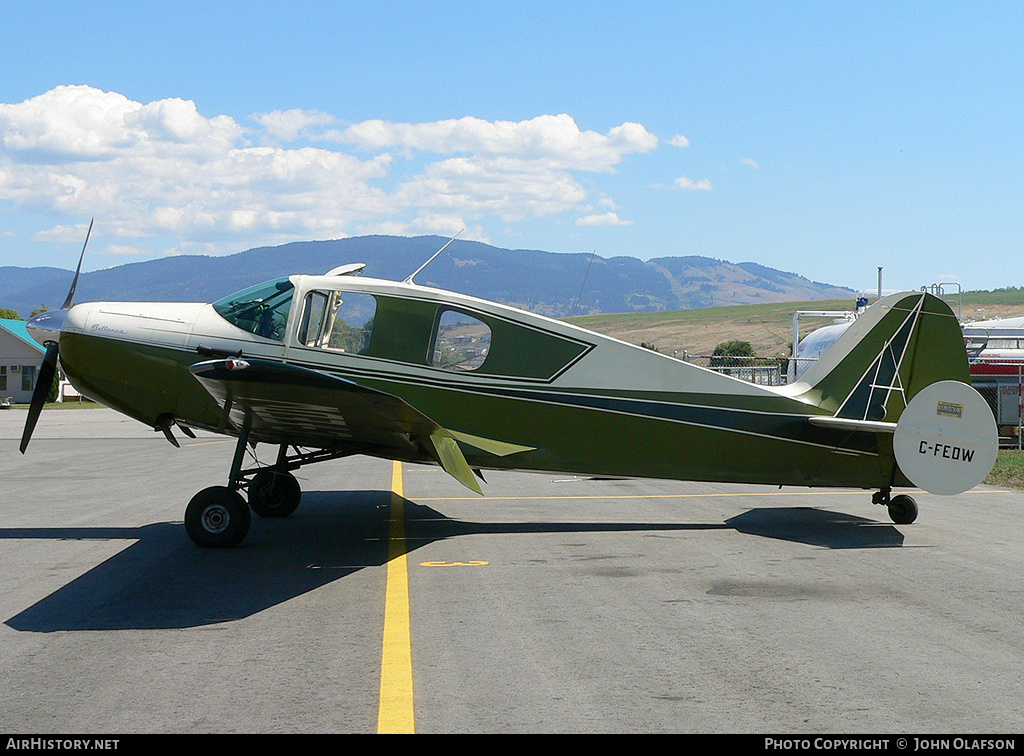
50,323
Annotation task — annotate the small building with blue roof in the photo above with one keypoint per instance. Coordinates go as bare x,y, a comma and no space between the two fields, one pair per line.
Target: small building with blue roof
20,358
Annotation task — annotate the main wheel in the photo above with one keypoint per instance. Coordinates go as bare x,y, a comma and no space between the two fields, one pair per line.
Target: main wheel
273,493
216,517
902,509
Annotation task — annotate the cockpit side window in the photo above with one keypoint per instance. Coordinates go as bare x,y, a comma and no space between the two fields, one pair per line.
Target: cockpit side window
314,317
341,321
261,309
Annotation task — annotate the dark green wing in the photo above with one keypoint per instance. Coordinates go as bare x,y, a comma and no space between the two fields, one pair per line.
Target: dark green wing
287,404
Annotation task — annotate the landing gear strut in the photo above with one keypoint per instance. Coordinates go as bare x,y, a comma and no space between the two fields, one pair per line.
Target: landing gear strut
902,508
219,516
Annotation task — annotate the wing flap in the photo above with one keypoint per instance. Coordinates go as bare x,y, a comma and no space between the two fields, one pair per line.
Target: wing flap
450,456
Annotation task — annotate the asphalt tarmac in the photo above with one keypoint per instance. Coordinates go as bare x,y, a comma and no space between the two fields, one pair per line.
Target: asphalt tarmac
395,599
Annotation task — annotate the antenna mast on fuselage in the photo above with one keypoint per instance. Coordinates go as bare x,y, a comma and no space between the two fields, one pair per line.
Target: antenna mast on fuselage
409,279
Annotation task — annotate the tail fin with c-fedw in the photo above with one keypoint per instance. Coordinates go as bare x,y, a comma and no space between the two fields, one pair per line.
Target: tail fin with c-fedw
900,345
901,372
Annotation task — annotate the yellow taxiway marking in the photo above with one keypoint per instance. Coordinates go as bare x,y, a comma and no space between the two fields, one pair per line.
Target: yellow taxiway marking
395,710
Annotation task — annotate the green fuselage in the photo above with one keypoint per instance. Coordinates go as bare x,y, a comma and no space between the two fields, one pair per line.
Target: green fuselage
690,425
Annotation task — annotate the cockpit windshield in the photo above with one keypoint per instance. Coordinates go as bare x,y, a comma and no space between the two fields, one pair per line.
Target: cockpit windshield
261,309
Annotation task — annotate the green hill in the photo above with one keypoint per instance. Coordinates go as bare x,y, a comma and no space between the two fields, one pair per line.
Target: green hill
768,327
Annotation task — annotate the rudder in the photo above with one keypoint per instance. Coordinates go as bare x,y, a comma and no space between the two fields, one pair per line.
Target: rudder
901,373
899,346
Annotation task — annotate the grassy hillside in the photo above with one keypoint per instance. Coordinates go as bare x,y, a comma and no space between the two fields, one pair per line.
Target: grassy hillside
768,327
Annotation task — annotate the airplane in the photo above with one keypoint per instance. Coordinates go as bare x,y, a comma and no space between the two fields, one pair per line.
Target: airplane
327,366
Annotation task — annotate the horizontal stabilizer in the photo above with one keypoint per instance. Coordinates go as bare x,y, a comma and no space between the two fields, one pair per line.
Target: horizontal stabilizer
845,423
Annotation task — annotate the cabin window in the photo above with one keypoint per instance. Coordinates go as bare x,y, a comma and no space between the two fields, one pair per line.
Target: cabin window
261,309
314,317
461,341
338,320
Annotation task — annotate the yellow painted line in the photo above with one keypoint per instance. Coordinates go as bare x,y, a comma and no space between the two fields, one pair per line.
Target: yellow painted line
395,710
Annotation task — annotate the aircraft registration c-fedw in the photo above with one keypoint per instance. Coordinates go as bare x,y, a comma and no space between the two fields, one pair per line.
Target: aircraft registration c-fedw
323,367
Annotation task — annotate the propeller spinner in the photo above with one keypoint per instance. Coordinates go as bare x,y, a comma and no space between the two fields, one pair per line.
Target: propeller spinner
48,325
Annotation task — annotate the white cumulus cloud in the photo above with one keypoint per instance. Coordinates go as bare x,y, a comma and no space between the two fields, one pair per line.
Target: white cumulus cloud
553,138
288,125
703,185
165,170
603,219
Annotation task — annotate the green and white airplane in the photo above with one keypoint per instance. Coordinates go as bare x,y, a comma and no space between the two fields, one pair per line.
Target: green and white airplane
323,367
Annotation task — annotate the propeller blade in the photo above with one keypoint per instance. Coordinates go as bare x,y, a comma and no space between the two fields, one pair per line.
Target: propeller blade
43,383
74,284
50,323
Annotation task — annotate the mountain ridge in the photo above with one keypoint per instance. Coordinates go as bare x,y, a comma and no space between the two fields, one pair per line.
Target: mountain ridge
556,284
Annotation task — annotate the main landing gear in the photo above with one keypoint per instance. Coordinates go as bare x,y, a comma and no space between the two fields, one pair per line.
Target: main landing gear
902,508
219,516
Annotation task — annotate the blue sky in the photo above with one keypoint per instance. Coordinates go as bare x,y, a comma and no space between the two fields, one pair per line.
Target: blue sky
822,138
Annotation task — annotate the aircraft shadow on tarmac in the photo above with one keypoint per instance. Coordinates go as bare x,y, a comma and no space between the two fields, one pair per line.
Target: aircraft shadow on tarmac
162,581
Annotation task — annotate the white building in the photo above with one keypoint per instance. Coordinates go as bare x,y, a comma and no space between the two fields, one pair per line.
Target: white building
20,358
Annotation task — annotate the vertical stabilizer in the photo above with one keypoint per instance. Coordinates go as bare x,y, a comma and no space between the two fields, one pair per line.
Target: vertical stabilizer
901,372
899,346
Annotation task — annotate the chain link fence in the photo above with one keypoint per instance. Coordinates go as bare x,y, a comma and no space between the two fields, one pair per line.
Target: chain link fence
764,371
1002,384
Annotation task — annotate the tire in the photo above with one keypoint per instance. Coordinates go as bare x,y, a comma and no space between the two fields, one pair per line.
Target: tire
902,509
274,494
217,517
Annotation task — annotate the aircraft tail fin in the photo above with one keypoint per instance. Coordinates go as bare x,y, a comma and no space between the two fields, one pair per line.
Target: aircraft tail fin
899,346
901,372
